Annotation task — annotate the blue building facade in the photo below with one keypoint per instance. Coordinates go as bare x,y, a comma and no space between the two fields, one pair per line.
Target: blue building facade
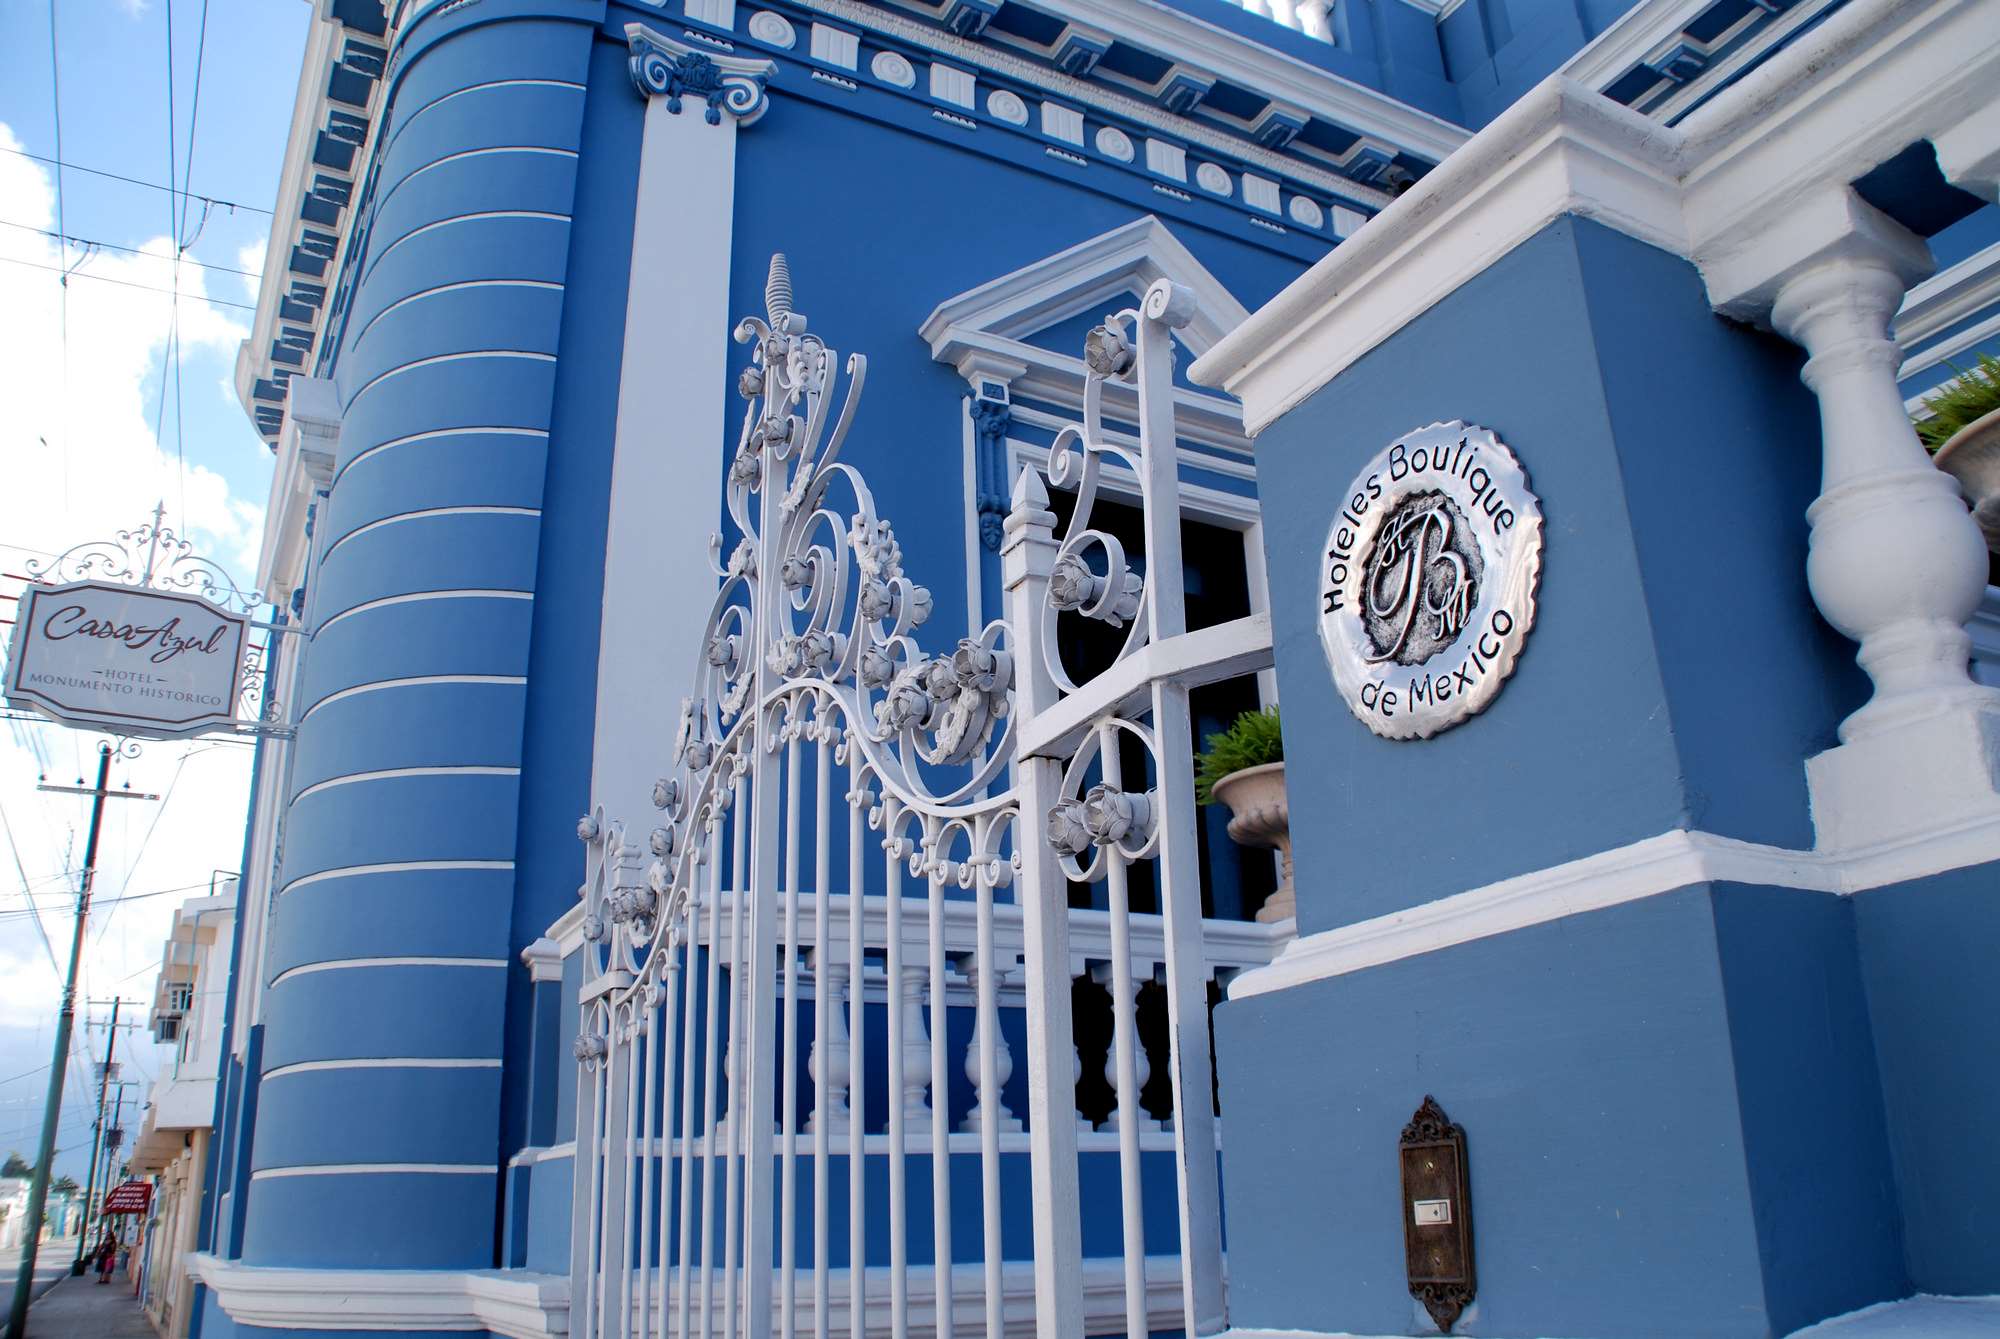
1685,929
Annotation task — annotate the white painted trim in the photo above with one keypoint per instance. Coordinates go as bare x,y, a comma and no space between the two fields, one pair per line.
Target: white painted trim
429,513
1632,39
468,355
511,1303
1108,270
1948,297
1647,868
393,773
1945,350
1729,188
567,929
386,192
528,1157
375,1168
454,288
383,1062
424,680
433,435
408,117
351,964
417,597
376,258
393,867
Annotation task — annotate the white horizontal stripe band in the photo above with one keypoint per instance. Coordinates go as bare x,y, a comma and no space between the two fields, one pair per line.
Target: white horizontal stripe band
526,355
1672,860
424,514
391,773
452,288
463,154
476,216
351,964
467,593
435,434
384,1062
376,1168
489,85
394,867
414,681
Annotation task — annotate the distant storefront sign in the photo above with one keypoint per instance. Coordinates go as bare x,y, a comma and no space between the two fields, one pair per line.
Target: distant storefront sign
127,659
129,1197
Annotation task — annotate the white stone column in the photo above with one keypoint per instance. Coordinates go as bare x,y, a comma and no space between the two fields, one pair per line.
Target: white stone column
1003,1064
916,1052
672,432
1896,562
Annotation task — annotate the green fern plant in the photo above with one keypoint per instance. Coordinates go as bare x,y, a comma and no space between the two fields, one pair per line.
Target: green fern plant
1971,395
1252,741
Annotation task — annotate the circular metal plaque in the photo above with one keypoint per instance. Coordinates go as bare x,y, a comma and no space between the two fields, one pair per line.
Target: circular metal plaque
1428,588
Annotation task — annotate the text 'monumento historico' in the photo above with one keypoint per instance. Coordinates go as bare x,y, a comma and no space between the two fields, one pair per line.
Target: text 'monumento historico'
1428,589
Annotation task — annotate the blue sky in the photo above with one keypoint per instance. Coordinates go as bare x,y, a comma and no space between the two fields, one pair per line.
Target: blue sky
81,456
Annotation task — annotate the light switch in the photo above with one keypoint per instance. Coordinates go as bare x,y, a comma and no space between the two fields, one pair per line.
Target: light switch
1431,1213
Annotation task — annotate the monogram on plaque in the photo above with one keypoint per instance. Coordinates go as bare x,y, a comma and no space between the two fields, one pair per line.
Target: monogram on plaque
1427,590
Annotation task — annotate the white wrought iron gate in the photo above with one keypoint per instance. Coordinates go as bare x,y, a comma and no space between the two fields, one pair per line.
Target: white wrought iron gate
863,841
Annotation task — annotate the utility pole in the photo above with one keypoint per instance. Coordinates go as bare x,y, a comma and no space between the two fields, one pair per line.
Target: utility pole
97,1136
38,1189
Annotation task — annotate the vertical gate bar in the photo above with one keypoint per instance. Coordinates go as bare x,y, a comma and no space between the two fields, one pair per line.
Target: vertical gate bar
1026,554
822,1004
788,1246
617,1150
583,1196
987,1028
732,1150
1204,1302
646,1147
687,1226
670,1083
935,838
760,1073
1124,1050
857,1044
632,1074
711,1069
899,1220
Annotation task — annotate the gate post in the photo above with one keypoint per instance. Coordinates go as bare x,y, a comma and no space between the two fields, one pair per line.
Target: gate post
1026,555
1200,1182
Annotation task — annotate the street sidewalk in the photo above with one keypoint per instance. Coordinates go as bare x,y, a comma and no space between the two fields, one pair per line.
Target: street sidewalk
82,1308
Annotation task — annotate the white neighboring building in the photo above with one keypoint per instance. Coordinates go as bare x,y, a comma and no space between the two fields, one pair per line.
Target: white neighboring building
187,1014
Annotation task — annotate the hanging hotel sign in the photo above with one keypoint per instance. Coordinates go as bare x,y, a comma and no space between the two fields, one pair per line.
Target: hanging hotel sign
128,1197
128,659
139,635
1428,589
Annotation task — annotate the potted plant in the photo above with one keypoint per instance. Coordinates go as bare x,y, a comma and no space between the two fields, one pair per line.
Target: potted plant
1961,428
1244,768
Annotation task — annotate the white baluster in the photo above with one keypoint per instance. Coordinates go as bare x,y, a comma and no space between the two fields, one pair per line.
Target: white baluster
828,1001
1141,1065
916,1050
1314,19
1003,1063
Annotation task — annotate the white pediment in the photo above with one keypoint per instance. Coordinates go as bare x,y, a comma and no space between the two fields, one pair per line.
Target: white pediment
988,330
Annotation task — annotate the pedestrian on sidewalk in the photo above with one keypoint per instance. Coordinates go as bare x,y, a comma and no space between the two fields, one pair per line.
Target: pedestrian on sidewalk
107,1257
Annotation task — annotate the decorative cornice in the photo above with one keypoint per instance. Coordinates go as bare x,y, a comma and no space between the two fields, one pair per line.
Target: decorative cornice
1440,139
664,67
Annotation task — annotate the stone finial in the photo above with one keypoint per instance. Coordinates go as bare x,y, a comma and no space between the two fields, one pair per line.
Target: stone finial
778,291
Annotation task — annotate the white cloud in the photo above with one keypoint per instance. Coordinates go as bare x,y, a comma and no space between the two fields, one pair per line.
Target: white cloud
134,8
251,257
82,461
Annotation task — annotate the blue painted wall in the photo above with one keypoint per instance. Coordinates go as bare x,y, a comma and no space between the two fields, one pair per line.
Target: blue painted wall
1672,1119
1676,676
1926,952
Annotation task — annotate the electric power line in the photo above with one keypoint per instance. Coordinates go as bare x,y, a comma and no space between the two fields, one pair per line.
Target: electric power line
133,181
129,250
124,283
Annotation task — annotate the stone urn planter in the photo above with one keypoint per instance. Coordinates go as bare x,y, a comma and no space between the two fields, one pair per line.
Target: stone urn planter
1260,816
1972,456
